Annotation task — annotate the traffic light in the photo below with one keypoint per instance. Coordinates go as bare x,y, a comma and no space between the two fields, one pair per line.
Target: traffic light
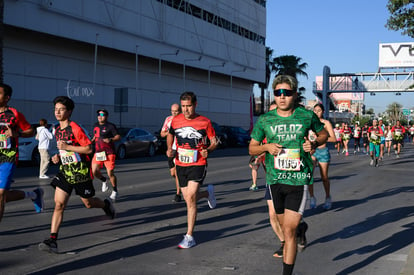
363,109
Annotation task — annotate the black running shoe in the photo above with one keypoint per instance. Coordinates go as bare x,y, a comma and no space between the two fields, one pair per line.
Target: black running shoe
177,198
279,253
109,208
49,245
300,236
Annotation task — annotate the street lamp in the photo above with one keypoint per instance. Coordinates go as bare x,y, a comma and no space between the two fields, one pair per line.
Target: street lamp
209,74
185,60
159,61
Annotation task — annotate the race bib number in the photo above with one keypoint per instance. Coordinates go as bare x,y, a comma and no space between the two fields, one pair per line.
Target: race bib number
356,133
347,136
100,156
187,155
4,142
288,160
374,136
412,132
398,132
68,157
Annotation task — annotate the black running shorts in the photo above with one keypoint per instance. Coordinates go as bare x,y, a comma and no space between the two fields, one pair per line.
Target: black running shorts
84,189
289,197
191,173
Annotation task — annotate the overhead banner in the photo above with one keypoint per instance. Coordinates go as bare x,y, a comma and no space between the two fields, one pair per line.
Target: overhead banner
396,55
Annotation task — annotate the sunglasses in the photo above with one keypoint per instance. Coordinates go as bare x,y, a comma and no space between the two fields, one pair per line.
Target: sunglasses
102,114
285,92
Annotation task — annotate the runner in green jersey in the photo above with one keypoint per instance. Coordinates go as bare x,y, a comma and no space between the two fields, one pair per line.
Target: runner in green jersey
288,160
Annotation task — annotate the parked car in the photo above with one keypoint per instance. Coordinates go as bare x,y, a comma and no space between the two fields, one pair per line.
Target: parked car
28,147
220,134
136,141
236,136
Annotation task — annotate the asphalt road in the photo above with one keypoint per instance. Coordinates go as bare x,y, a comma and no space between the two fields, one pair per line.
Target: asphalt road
369,230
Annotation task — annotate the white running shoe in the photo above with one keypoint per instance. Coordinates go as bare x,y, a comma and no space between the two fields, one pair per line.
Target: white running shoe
211,198
187,242
113,196
312,203
371,162
104,186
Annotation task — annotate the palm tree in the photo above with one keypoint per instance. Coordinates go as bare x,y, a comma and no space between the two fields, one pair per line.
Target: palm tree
291,65
263,86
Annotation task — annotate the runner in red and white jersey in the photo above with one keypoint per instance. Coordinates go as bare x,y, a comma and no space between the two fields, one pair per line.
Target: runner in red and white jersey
195,139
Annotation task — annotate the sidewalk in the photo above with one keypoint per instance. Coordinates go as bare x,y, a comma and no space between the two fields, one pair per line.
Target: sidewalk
409,266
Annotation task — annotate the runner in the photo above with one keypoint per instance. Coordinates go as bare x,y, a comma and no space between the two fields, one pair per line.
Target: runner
13,125
338,142
346,136
288,161
374,134
175,110
357,138
398,132
191,132
74,147
388,138
365,140
274,222
382,145
105,134
322,157
411,133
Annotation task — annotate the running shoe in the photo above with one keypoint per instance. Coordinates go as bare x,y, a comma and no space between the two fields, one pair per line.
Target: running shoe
253,187
396,152
312,203
328,203
48,245
104,186
109,208
187,242
398,156
211,198
279,253
177,198
301,237
38,201
113,196
371,162
376,163
44,177
346,154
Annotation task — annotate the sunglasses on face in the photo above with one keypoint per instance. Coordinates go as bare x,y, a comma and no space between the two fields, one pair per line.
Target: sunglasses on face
285,92
102,114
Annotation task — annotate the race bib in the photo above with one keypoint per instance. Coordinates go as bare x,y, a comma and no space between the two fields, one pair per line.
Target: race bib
398,132
374,136
187,155
100,156
356,133
68,157
288,160
347,136
4,142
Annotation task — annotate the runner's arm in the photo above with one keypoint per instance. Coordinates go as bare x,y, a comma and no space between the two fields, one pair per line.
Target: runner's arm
256,148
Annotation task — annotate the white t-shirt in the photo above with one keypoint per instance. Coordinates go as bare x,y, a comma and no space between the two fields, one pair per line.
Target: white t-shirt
44,137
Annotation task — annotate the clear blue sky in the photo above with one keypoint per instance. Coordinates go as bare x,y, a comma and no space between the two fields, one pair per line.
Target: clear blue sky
343,35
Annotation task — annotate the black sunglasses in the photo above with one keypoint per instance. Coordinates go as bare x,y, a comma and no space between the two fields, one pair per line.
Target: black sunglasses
285,92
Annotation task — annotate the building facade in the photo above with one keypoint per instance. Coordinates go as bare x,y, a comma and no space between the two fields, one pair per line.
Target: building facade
134,57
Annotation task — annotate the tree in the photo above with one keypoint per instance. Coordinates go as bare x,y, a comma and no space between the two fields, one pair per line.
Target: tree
291,65
370,111
394,111
402,16
263,86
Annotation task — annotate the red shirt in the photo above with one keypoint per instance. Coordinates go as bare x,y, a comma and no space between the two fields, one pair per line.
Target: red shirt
191,137
16,121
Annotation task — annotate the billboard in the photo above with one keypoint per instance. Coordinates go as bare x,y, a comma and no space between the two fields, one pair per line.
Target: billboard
396,55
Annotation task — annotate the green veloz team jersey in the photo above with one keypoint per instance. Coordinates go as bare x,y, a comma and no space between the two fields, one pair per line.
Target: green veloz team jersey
292,166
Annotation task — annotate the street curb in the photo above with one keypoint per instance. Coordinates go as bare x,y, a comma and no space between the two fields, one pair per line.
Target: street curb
409,266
